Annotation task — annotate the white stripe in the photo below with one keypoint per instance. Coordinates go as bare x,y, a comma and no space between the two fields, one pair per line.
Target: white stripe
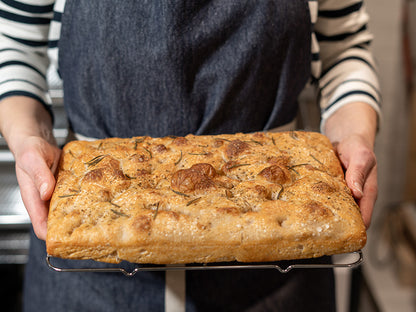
313,9
24,31
350,23
13,10
337,88
175,291
314,44
316,66
81,137
59,6
351,86
22,72
350,99
336,4
352,68
22,86
55,30
35,61
36,2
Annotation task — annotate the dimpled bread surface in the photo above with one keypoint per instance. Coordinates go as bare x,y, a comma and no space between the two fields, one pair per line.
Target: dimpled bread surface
198,199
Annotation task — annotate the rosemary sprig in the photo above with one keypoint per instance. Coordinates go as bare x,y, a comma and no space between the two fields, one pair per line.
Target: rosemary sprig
295,171
119,213
293,135
316,159
129,177
193,201
273,141
137,141
199,154
228,194
156,211
280,192
114,204
298,165
179,160
179,193
237,165
149,152
257,142
95,160
69,195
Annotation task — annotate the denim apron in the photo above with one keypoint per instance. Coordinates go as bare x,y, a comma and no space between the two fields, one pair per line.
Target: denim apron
162,68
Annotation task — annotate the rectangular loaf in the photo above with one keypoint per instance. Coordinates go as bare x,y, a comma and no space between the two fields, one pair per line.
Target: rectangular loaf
198,199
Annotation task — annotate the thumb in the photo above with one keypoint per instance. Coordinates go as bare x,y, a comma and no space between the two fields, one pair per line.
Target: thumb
357,172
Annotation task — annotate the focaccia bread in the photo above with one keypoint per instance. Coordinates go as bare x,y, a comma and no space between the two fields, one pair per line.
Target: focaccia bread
198,199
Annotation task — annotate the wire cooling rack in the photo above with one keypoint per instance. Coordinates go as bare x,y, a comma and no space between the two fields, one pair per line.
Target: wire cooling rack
358,259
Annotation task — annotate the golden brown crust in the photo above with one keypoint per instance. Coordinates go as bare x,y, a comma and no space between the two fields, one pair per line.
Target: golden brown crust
245,197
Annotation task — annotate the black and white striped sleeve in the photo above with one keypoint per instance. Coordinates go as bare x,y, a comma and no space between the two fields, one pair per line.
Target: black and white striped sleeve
348,73
24,30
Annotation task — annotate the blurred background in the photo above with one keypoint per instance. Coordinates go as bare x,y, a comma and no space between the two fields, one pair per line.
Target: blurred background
387,279
389,271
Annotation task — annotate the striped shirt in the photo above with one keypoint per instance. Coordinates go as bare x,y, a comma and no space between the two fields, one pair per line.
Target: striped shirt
342,65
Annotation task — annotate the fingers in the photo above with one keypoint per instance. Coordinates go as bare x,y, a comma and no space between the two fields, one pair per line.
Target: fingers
360,164
39,163
369,198
39,172
35,166
35,206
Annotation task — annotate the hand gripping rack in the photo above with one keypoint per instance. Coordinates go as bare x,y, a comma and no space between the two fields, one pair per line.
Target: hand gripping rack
192,267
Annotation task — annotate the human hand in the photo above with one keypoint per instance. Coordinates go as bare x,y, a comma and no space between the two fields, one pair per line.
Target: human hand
27,127
352,130
36,162
359,161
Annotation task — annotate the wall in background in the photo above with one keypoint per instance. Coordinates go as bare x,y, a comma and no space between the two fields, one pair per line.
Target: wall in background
391,145
392,150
